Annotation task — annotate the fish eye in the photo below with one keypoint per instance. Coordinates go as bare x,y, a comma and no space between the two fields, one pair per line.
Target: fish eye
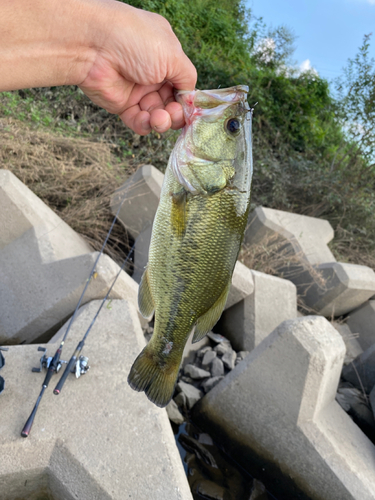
233,126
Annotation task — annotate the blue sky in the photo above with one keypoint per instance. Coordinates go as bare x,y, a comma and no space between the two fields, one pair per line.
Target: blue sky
328,32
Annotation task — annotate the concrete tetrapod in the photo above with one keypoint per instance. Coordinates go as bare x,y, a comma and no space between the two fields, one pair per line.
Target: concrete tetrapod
98,440
139,196
44,266
278,408
249,321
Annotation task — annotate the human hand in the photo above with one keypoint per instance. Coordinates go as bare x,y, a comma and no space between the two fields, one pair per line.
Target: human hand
138,62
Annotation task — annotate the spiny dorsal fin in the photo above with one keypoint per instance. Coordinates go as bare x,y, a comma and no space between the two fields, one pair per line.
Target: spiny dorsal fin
206,322
145,302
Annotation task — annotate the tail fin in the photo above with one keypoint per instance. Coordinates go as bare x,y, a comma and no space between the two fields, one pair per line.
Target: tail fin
156,379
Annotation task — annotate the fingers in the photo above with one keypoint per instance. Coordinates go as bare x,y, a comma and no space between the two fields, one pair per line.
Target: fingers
156,110
182,75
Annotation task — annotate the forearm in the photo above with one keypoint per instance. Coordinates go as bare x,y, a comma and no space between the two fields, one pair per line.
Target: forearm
45,42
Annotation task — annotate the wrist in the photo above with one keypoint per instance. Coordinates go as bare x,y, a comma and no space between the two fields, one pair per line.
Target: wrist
46,42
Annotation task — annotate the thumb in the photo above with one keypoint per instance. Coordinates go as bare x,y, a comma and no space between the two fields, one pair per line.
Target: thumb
183,75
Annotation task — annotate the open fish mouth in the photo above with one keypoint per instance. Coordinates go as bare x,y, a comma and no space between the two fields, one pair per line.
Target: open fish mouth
209,106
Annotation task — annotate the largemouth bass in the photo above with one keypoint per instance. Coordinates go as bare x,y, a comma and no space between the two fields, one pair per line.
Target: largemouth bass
197,233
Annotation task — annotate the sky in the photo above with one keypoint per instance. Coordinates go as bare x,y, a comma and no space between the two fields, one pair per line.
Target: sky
327,32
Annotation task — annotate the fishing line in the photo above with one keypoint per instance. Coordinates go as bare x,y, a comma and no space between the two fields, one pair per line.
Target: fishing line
81,361
53,365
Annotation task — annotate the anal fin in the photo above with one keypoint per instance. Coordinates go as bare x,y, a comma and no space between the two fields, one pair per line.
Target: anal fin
206,322
145,302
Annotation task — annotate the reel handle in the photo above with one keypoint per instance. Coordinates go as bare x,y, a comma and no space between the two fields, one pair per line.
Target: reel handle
64,376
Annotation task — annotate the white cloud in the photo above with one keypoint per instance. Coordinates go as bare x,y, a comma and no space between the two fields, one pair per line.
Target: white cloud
305,66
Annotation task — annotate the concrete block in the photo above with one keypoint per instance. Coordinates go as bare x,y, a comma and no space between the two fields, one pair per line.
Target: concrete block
304,235
362,322
242,285
277,408
140,198
142,245
248,322
346,287
361,372
98,440
44,266
353,348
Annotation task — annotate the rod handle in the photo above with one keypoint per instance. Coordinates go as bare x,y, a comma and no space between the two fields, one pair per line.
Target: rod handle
64,376
29,422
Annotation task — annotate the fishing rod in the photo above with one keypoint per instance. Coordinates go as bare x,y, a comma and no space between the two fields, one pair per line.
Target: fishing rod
79,364
53,364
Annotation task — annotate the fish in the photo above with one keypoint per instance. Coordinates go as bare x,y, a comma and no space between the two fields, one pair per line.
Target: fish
197,233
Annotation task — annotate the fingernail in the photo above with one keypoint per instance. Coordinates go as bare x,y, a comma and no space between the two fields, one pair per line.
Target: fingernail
164,126
145,125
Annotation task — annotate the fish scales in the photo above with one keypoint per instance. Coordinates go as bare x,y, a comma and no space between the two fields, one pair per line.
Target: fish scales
197,233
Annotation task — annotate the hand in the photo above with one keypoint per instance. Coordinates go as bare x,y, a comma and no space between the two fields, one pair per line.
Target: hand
126,60
136,68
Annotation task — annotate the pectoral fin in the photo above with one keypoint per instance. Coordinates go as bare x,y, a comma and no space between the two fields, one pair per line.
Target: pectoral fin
178,213
206,322
145,302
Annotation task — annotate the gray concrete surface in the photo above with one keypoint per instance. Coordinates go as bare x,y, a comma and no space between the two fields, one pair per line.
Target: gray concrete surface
345,288
308,236
362,322
250,320
361,372
353,347
44,266
242,285
279,403
98,440
140,198
142,245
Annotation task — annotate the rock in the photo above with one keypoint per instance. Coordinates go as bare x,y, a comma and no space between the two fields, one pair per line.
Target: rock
216,337
211,382
207,359
217,368
191,393
361,372
241,355
203,351
229,359
191,350
258,491
98,437
280,403
248,322
196,373
361,322
242,285
353,348
204,438
181,400
210,490
174,414
353,401
140,198
223,348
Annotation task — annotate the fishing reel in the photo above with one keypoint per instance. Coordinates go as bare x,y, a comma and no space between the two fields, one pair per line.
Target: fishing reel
79,368
46,361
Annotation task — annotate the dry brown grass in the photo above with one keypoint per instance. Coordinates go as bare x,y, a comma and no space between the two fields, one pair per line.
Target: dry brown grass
275,256
74,177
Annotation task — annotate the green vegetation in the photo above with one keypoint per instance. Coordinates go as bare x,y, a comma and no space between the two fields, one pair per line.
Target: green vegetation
314,143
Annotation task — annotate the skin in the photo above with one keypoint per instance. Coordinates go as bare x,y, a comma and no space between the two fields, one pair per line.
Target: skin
126,60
